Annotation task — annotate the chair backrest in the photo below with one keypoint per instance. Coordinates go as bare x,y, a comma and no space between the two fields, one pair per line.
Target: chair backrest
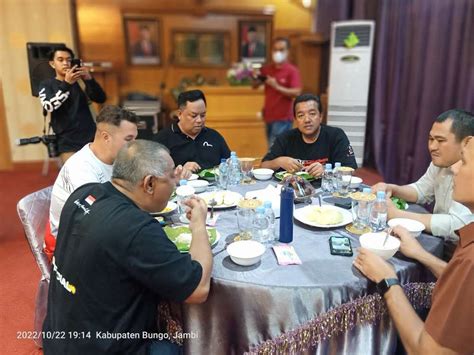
33,211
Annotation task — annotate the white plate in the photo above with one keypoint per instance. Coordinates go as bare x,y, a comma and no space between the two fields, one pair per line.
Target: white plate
301,215
225,199
170,207
193,177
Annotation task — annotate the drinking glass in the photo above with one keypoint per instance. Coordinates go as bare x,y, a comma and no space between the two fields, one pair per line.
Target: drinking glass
246,164
343,181
360,214
245,218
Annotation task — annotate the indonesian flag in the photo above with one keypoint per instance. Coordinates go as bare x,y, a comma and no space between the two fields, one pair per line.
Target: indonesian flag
90,200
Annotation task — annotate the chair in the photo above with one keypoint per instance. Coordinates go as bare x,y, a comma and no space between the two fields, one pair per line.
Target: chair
33,211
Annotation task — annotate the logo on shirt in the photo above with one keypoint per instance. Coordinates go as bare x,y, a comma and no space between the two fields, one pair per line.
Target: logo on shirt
62,280
206,144
350,151
90,200
82,207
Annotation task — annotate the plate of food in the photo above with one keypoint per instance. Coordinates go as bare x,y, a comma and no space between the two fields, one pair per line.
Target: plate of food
223,198
170,207
181,237
303,174
400,203
209,174
323,216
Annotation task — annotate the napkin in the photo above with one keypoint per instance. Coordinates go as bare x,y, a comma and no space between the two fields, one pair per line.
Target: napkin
286,255
270,193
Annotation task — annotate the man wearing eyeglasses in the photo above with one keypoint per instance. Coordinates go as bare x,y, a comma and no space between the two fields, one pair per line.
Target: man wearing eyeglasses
310,145
190,142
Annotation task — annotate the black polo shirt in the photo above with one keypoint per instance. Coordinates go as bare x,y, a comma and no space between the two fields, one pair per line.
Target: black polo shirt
207,149
331,146
111,266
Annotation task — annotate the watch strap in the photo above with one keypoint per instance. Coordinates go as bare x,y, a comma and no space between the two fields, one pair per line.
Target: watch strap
384,285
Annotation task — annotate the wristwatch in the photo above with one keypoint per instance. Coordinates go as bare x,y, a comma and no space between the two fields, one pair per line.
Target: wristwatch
385,284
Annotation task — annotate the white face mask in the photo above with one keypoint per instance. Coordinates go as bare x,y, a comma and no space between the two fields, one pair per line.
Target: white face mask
279,57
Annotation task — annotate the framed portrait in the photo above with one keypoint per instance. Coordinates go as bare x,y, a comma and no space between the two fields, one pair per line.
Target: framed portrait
254,40
200,48
142,40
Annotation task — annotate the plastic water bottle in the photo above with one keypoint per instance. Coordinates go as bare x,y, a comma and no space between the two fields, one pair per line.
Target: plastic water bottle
183,182
260,225
271,219
234,170
326,181
223,174
378,215
335,175
287,197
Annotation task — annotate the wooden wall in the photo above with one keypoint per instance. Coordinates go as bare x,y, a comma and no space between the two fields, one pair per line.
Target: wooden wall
101,35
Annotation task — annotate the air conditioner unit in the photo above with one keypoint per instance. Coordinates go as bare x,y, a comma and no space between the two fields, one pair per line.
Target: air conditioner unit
349,78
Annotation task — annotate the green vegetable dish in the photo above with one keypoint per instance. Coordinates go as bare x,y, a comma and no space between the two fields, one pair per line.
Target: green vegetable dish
282,174
400,203
181,236
208,174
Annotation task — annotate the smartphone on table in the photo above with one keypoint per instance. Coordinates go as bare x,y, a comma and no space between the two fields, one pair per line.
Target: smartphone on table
340,245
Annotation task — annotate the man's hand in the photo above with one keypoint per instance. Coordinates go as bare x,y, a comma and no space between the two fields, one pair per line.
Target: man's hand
72,75
373,266
85,73
381,186
196,213
316,169
289,164
182,173
409,246
272,82
192,166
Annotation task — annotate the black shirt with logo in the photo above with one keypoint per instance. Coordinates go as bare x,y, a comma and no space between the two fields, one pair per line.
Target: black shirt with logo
331,146
112,265
207,149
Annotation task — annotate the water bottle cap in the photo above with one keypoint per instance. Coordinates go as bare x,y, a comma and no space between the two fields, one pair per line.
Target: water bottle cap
337,165
267,204
366,190
381,195
328,166
183,182
233,154
260,209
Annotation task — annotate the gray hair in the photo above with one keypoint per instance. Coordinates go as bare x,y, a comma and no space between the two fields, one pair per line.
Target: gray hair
140,158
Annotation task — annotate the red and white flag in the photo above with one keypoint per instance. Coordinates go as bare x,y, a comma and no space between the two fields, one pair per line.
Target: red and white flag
90,200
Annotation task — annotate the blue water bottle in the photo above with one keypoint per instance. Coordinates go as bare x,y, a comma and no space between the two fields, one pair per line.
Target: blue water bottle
286,214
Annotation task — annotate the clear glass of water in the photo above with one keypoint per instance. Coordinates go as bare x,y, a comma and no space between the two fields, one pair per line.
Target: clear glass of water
360,214
343,181
245,218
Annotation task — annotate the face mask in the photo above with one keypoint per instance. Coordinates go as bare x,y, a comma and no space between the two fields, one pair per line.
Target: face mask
279,57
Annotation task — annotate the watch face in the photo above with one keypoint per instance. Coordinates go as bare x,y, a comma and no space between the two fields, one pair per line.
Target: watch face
385,284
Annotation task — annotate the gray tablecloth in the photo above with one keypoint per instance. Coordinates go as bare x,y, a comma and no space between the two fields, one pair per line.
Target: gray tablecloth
248,306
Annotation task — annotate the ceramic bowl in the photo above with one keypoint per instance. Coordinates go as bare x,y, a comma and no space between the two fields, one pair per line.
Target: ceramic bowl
414,227
355,182
374,243
262,174
246,252
199,185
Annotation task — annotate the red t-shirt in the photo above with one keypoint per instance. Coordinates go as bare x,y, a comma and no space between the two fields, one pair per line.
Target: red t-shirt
279,107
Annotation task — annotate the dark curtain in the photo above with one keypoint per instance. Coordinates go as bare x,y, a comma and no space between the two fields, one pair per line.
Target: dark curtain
423,65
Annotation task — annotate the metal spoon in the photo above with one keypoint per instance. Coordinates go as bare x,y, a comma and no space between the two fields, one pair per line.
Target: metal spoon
389,231
212,203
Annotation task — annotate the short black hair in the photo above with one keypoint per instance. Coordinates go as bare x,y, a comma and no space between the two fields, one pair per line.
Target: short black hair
283,39
190,96
462,125
114,115
307,97
252,29
53,51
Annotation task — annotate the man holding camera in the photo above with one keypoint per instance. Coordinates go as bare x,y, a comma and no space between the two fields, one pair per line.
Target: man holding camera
68,103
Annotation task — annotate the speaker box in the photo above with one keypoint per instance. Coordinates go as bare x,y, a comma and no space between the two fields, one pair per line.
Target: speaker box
38,63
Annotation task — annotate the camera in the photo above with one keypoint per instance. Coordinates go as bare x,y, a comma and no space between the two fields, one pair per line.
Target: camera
49,140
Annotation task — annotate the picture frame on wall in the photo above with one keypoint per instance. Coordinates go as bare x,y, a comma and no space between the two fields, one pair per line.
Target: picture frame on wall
142,40
193,48
254,40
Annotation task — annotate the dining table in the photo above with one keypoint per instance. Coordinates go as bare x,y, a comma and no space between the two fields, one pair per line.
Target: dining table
322,306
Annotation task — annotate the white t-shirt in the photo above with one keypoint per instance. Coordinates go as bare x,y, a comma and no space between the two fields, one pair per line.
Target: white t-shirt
448,215
81,168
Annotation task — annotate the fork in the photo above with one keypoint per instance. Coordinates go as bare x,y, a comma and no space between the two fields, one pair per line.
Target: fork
212,203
